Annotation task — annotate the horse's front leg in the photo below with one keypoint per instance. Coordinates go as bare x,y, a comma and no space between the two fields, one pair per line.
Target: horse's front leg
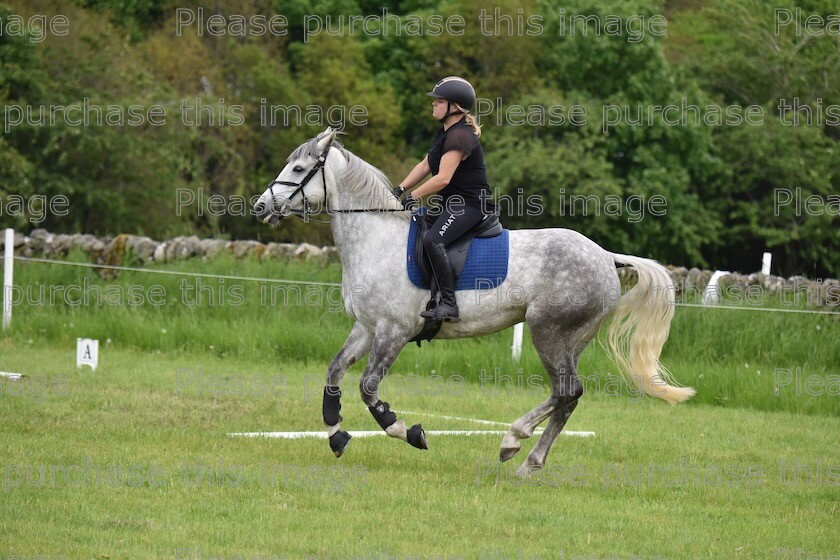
386,347
358,344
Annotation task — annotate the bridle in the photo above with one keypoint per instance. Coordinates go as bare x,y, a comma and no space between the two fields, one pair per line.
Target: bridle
307,207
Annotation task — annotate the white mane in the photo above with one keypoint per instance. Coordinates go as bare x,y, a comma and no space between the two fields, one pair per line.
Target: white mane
360,177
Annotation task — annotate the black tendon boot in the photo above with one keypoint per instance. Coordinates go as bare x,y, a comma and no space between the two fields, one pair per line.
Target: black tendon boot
447,309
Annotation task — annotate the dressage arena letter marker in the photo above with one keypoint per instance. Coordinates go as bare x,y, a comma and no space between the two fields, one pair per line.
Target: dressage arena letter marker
87,353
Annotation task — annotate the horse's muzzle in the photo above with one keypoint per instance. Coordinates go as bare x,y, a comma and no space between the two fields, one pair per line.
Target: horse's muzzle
267,214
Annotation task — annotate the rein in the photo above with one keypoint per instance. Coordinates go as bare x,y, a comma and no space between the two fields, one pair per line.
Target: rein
307,207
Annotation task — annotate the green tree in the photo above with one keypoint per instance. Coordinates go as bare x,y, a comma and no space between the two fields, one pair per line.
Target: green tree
772,170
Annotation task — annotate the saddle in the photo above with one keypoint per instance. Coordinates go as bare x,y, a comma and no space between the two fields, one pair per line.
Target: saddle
490,226
420,269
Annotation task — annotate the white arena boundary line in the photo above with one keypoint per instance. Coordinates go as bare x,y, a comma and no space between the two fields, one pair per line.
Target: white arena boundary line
362,434
365,433
476,420
323,435
491,423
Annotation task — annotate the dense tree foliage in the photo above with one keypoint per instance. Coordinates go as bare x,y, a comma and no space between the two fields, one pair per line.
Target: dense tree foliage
573,114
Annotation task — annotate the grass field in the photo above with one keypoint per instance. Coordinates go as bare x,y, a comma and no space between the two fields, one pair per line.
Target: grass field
766,361
133,461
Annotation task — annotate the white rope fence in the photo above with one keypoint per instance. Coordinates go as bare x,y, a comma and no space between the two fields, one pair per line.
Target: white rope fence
177,273
338,285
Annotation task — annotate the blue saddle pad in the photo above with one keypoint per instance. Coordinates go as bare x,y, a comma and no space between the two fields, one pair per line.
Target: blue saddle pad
486,266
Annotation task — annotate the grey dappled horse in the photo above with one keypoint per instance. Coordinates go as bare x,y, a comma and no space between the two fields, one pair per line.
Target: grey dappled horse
559,282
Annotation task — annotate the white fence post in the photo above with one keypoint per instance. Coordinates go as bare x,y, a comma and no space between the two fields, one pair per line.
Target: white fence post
766,258
711,295
518,329
8,264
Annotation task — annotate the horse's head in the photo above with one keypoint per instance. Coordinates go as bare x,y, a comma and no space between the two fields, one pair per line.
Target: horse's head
301,187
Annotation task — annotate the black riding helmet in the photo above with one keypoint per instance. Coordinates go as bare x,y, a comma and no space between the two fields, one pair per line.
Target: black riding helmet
454,90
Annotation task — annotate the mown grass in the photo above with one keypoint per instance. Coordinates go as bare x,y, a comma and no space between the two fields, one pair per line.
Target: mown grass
736,358
141,468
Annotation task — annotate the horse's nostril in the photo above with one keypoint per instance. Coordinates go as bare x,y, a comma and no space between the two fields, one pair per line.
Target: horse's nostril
259,208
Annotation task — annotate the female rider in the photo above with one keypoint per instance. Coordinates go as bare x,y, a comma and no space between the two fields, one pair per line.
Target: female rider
456,162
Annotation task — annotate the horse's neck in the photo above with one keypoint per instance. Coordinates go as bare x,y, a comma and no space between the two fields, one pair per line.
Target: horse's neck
370,230
367,240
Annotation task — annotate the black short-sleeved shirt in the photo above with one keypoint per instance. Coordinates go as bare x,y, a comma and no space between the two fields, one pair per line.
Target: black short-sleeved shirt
469,181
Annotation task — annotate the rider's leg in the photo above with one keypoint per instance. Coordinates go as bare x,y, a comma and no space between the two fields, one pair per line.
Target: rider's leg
447,308
452,223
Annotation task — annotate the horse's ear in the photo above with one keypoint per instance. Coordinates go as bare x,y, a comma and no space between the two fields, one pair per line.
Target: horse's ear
326,138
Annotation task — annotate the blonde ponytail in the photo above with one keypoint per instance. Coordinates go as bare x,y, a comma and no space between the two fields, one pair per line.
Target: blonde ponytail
470,120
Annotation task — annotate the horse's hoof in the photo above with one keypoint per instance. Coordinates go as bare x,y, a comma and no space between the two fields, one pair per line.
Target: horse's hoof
338,442
508,453
526,470
416,436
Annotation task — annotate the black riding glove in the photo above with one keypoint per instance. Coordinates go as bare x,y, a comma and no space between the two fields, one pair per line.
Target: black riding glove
409,202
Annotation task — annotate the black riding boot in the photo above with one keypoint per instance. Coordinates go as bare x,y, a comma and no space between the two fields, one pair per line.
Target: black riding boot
447,309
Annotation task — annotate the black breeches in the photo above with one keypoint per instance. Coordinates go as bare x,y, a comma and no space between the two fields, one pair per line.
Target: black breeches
450,224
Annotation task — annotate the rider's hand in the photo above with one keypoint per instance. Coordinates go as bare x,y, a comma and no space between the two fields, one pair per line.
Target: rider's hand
409,202
398,191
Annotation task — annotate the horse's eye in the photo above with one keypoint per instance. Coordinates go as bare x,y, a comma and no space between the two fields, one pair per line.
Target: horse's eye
297,169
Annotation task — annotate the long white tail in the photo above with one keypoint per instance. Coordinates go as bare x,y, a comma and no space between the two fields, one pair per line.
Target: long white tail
639,329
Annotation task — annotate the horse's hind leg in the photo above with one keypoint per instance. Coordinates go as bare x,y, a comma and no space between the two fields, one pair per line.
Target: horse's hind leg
386,347
356,346
550,341
523,428
566,389
559,355
536,458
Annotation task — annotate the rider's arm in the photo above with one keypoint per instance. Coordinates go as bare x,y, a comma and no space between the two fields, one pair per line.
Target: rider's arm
448,164
417,174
